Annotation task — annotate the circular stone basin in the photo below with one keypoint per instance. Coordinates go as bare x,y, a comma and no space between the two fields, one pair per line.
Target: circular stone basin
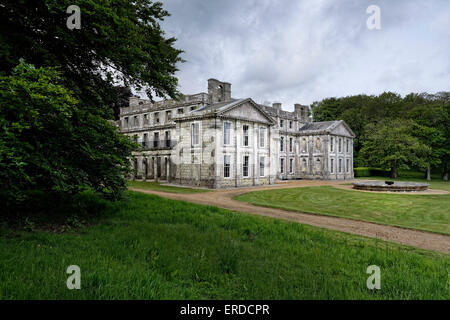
395,187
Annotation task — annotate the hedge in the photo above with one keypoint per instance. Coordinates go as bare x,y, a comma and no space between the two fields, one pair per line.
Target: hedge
370,172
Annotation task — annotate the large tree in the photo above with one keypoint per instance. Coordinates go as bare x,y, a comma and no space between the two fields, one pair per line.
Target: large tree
431,115
120,43
48,145
390,144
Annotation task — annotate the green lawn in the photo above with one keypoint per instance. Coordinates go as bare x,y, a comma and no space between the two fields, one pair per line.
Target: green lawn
151,185
434,183
154,248
422,212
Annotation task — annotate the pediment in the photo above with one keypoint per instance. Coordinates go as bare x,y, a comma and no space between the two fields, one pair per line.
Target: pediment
342,129
247,110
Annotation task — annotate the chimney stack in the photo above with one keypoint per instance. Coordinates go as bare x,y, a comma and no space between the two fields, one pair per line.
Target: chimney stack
218,91
301,111
276,105
134,101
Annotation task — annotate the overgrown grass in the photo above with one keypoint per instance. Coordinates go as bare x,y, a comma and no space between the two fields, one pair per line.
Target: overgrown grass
151,185
57,212
155,248
435,183
422,212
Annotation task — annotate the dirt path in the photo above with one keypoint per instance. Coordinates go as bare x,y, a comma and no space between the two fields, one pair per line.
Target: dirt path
224,199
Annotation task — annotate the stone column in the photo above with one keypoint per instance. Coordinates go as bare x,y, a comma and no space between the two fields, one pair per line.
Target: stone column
237,155
255,154
144,168
311,156
139,167
155,171
168,169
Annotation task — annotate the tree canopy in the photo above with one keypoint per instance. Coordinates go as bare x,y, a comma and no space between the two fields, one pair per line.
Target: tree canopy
422,117
119,42
49,145
389,144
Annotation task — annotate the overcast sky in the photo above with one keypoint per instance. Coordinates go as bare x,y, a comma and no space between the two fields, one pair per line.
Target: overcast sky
301,51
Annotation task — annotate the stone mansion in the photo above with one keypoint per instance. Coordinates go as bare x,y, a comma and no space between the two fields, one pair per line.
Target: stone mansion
216,141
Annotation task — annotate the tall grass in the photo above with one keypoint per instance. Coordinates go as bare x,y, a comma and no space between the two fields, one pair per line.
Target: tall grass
152,185
153,248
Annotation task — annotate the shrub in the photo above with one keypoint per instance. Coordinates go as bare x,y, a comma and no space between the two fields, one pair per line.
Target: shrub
379,172
370,172
362,172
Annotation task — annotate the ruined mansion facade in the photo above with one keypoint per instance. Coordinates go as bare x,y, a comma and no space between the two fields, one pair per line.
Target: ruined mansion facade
216,141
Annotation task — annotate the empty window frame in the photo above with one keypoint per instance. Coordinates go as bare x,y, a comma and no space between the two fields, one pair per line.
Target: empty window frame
245,172
226,133
195,134
155,139
144,140
226,166
245,135
167,139
261,166
262,137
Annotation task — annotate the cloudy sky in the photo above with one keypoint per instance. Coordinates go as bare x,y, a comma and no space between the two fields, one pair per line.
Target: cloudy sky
301,51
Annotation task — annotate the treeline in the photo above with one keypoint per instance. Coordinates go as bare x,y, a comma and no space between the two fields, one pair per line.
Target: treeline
395,132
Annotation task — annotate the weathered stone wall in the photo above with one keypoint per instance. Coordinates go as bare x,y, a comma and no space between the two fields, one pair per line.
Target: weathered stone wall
344,155
195,164
237,150
202,165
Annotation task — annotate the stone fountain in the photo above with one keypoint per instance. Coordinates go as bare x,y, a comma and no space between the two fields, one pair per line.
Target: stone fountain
391,186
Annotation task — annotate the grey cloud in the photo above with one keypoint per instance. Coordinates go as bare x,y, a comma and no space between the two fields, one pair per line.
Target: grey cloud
302,51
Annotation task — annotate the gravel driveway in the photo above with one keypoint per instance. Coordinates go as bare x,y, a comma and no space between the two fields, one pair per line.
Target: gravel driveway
224,199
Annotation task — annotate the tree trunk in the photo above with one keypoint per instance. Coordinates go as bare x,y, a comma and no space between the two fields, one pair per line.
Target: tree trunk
445,174
428,173
394,174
